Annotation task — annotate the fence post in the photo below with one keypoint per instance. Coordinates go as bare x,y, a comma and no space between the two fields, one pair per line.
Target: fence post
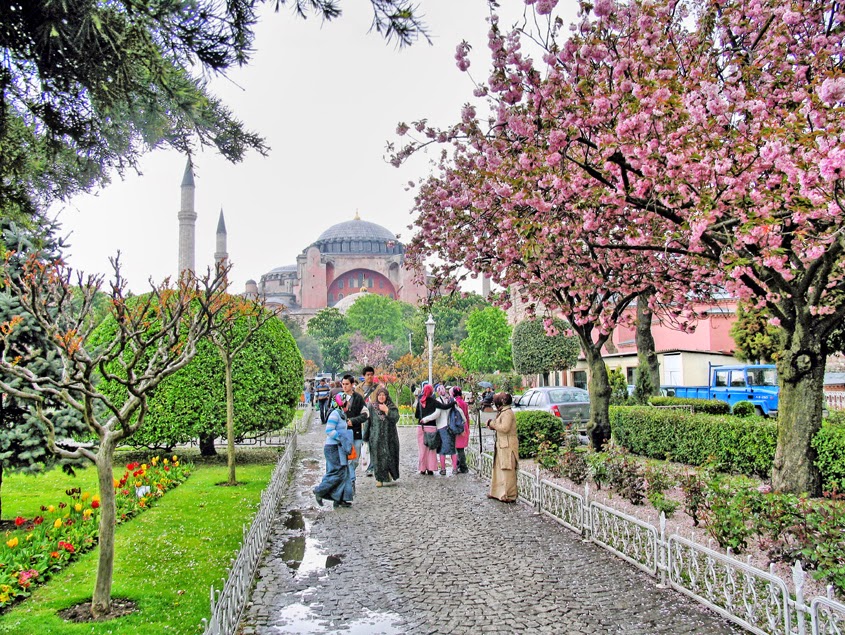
586,520
800,608
662,553
538,503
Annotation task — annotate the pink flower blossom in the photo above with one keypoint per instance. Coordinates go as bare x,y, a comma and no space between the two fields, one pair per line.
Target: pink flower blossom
832,90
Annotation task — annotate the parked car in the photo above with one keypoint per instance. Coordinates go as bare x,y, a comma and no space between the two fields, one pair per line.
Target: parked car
566,402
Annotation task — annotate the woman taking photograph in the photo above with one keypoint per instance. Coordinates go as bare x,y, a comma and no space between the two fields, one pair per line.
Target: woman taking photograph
383,437
337,483
506,454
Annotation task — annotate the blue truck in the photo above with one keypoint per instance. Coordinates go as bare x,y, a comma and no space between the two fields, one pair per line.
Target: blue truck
757,383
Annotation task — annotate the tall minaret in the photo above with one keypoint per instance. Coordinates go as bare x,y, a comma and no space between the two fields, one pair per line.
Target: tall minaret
220,256
187,221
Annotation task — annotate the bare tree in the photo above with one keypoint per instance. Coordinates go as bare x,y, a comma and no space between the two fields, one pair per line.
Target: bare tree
155,335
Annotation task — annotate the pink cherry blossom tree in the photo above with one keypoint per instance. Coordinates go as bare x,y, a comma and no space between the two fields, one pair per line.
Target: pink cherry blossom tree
710,132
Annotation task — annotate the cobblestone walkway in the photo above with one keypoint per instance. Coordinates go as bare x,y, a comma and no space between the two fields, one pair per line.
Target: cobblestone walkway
432,554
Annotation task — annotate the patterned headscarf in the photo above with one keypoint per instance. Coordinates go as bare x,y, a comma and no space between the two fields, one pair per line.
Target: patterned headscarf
441,390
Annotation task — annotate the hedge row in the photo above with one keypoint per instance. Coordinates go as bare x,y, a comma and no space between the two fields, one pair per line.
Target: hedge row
745,445
733,444
709,406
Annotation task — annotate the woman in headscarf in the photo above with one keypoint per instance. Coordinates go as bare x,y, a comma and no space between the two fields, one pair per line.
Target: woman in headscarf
506,454
461,440
426,414
337,483
447,440
383,437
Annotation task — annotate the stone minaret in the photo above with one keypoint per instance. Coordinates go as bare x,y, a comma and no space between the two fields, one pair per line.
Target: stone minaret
187,221
485,286
220,256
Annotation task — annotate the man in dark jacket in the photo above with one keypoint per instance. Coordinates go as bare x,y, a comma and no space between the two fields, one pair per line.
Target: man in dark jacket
356,415
322,395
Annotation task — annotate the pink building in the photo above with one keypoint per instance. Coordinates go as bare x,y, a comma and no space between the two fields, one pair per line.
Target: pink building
346,258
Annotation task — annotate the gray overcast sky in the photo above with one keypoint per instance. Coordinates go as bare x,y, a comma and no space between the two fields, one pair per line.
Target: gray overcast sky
327,97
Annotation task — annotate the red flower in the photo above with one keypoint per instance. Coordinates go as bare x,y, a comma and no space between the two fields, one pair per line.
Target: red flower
166,468
132,466
62,505
95,504
38,520
54,554
20,520
66,546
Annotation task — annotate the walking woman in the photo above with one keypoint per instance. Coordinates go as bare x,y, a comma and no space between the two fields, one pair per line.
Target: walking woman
426,414
337,483
383,437
506,454
461,440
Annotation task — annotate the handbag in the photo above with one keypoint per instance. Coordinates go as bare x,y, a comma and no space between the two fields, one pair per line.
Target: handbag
432,440
352,455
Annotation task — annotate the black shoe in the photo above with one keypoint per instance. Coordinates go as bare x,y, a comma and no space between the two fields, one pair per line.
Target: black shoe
319,499
344,504
368,473
429,472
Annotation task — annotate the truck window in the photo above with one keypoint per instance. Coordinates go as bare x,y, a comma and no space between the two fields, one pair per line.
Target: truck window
737,379
762,377
721,378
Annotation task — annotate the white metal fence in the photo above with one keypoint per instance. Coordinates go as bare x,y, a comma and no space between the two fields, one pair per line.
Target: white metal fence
757,600
228,603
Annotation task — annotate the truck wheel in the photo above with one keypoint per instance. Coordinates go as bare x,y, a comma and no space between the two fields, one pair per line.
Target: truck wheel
760,412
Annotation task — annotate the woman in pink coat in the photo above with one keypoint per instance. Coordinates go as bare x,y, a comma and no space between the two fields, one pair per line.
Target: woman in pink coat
462,440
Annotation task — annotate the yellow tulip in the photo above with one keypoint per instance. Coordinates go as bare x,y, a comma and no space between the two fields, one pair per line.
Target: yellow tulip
144,467
78,507
51,509
96,498
4,597
11,544
86,496
116,482
87,513
58,523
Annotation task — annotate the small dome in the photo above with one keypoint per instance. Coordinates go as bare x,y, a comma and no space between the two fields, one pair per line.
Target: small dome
283,269
343,304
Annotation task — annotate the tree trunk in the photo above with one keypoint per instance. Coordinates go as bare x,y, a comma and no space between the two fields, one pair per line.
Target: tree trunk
1,489
207,445
646,353
599,427
230,423
101,602
801,399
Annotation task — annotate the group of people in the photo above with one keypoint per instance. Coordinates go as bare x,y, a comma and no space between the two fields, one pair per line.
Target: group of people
433,409
364,412
358,414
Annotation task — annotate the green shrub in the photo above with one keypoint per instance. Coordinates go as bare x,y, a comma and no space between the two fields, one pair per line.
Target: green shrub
618,387
707,406
659,501
573,465
744,409
535,426
732,444
829,444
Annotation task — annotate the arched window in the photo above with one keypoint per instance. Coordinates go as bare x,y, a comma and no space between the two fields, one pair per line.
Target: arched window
340,296
340,284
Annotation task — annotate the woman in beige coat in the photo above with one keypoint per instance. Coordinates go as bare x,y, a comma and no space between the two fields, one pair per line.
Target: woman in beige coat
506,454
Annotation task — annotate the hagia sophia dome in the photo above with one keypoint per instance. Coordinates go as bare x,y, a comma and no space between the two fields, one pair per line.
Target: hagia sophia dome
347,258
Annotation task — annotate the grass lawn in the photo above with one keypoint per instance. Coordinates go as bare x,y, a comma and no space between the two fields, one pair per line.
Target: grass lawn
165,559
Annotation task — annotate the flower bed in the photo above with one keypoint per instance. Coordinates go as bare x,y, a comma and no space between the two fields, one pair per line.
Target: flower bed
39,547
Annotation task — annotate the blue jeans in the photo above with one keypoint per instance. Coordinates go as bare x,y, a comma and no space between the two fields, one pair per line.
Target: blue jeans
353,464
336,484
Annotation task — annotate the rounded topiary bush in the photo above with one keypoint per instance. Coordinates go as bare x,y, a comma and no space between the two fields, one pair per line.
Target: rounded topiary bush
267,382
744,409
535,426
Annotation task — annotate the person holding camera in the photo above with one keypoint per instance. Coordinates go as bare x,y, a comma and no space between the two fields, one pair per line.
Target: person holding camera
506,453
337,482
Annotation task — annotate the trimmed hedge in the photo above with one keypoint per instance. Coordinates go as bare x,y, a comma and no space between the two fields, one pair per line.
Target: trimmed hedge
709,406
535,426
829,443
745,445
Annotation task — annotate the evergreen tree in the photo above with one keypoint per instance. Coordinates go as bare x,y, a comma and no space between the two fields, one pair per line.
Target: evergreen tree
487,347
536,352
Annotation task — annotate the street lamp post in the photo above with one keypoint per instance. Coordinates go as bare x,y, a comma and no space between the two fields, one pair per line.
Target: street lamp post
429,329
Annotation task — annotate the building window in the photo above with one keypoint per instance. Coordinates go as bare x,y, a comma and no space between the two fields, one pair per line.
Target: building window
391,297
631,375
340,284
331,298
368,246
340,296
351,283
370,283
579,379
381,284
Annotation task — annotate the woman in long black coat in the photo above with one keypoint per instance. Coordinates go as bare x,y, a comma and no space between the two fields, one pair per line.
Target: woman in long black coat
383,437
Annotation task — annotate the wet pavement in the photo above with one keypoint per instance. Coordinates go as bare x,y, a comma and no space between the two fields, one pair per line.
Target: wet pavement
431,554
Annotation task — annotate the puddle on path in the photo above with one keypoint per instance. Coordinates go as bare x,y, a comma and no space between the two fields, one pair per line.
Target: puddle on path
301,553
298,618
